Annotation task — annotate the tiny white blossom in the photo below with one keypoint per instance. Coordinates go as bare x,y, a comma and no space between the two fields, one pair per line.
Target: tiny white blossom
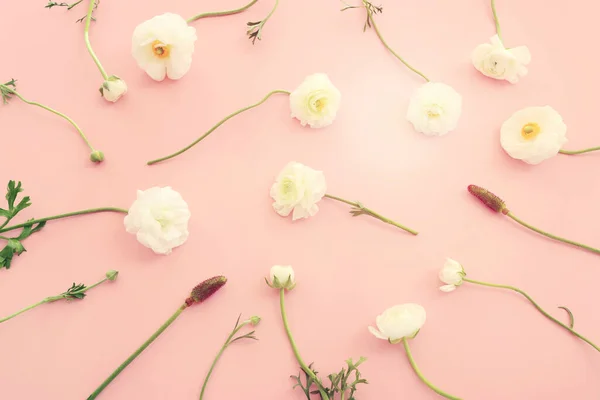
163,46
434,109
452,275
533,134
496,61
298,188
316,101
282,277
398,322
113,88
159,218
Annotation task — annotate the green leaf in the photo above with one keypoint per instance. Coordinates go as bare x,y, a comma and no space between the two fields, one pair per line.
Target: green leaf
29,230
6,256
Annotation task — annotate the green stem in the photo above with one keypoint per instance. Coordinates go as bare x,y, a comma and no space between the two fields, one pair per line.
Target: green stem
137,353
222,13
303,365
93,286
53,111
540,309
264,21
212,367
88,20
372,213
551,236
71,214
574,152
413,69
23,310
211,130
74,4
420,375
498,31
4,238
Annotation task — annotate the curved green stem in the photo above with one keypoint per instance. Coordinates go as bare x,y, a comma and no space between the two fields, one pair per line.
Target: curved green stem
574,152
303,365
551,236
71,214
137,353
420,375
23,310
53,111
219,354
361,209
211,130
540,309
413,69
88,20
264,21
222,13
498,31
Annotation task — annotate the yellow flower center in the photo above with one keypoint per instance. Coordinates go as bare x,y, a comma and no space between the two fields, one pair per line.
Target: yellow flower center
320,104
530,130
160,49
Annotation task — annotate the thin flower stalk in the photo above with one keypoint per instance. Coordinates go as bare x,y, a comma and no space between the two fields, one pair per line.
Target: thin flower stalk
221,13
74,292
360,209
576,152
231,339
254,30
199,294
498,205
540,309
221,122
8,89
86,34
496,21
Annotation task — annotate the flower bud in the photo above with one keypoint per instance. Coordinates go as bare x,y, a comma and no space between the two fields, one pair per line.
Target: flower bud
112,275
282,277
97,156
206,289
16,246
255,320
113,88
489,199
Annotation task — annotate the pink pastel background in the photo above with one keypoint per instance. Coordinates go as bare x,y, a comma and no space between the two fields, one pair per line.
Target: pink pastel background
478,343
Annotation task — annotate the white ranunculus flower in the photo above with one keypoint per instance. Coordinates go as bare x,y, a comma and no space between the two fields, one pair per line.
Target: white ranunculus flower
404,320
316,101
452,275
282,277
533,134
164,45
113,88
159,218
496,61
298,188
434,109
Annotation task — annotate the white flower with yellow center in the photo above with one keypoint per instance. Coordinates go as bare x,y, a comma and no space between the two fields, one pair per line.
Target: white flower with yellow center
159,218
533,134
496,61
434,109
316,101
163,46
298,188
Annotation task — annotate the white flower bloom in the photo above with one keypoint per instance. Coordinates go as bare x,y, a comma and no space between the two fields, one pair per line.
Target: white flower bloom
452,275
164,45
434,109
282,277
404,320
533,134
316,101
159,218
496,61
113,88
298,188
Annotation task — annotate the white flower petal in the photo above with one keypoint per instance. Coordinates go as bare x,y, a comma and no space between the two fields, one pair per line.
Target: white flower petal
400,321
434,109
448,288
315,102
376,333
495,61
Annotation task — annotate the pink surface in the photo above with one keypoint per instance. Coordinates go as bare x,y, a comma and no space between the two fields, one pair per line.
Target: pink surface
478,343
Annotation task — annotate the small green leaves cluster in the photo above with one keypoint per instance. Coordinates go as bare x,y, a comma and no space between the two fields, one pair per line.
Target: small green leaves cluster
344,383
371,10
74,292
69,6
7,91
14,245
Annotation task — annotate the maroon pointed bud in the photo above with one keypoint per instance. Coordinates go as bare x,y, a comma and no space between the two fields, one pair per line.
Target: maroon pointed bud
205,289
489,199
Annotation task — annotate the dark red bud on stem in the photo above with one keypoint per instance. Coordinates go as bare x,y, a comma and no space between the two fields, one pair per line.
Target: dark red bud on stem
205,289
489,199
